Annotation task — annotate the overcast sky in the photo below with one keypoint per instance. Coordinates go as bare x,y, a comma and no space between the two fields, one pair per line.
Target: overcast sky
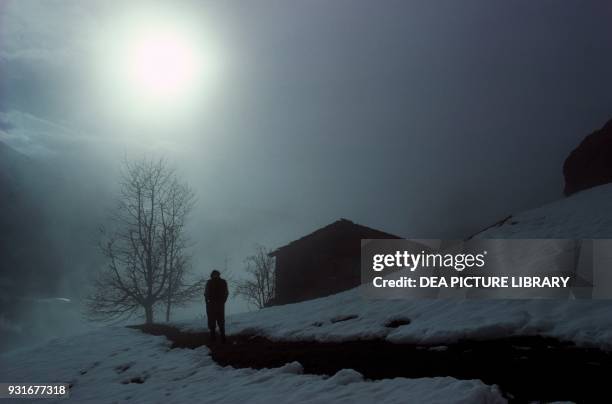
419,118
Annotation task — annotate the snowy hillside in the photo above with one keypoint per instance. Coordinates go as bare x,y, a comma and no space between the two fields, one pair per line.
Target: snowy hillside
347,316
583,215
124,365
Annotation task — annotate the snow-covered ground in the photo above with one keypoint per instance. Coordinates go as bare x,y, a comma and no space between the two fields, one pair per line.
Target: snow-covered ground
432,322
101,364
587,214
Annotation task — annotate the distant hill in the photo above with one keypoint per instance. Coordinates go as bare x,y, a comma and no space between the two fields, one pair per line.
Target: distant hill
34,239
24,251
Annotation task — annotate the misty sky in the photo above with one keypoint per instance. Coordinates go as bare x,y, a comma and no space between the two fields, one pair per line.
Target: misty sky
419,118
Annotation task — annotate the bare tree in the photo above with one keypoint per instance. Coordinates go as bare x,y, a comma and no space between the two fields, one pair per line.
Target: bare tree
174,211
146,248
259,288
180,291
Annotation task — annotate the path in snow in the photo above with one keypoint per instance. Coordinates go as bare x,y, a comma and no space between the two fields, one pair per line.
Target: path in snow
526,368
121,365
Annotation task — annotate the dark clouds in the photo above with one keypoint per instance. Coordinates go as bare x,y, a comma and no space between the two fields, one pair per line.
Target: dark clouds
401,114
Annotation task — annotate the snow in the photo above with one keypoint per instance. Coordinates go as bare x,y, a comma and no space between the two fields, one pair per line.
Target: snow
584,215
433,322
101,364
437,322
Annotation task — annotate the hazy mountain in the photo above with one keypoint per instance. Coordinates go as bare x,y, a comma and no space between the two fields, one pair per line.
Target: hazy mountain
47,245
25,250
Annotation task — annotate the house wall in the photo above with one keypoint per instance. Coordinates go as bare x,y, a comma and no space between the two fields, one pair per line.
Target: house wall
321,265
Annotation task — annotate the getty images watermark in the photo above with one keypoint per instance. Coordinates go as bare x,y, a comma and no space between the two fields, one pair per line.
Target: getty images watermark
492,268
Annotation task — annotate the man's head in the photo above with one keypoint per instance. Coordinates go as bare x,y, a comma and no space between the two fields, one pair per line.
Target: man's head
215,274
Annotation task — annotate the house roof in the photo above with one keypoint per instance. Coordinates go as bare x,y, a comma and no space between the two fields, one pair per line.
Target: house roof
338,224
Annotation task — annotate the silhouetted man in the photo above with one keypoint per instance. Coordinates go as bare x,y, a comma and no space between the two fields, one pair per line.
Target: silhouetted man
216,295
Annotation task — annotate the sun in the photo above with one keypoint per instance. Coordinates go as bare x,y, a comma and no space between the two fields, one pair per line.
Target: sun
160,62
154,60
157,66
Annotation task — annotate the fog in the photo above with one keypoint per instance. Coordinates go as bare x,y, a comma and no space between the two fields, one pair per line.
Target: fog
422,119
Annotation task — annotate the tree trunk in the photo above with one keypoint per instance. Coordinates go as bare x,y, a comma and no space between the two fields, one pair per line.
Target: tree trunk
168,312
149,314
169,301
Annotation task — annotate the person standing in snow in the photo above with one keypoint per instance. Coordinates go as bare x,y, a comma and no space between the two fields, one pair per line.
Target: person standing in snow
215,295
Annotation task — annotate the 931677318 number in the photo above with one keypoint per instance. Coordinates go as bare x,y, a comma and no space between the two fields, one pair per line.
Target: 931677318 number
34,390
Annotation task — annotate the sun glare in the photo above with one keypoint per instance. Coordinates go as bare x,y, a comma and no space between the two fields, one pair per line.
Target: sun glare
156,60
160,62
